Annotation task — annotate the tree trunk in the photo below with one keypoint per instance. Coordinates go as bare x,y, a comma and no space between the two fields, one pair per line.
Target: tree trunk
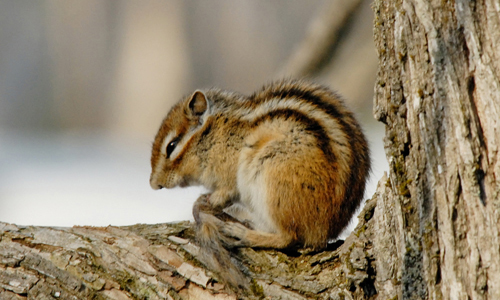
438,93
431,231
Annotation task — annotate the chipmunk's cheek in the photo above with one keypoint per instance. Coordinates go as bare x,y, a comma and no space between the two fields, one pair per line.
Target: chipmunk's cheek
171,180
185,181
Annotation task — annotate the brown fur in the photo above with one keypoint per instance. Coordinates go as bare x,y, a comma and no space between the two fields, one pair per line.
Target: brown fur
291,157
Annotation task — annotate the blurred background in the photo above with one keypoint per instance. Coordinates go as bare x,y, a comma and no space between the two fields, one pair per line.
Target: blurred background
84,86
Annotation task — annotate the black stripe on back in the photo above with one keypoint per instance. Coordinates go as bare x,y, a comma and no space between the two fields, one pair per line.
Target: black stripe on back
308,95
310,125
352,131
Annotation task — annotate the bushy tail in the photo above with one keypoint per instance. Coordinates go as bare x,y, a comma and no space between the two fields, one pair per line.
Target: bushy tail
213,254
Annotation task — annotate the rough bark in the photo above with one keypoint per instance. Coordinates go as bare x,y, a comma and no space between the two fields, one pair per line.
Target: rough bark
159,262
438,93
431,231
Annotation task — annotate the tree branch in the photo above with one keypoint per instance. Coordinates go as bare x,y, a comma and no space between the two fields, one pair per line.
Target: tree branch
160,262
313,53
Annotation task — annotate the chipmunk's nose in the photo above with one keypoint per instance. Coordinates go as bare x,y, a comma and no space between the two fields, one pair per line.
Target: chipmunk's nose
154,184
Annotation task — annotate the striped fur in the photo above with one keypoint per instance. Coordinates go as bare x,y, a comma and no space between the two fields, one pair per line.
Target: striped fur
292,157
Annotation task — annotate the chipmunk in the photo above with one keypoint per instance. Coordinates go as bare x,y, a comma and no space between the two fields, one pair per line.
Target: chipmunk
290,159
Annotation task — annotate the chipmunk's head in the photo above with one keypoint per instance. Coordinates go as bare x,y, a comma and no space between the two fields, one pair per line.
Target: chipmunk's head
173,161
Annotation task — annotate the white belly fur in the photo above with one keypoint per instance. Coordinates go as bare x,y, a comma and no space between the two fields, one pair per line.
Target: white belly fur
253,197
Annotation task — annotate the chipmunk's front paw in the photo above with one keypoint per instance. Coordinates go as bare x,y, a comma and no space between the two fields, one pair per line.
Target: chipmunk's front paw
221,198
203,199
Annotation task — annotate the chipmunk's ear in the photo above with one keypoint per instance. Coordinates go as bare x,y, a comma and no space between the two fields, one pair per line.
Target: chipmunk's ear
198,104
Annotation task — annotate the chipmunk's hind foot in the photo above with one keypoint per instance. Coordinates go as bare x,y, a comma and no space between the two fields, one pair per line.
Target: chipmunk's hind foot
252,238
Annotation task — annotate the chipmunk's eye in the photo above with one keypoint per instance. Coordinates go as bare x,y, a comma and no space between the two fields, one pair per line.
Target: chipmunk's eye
171,147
